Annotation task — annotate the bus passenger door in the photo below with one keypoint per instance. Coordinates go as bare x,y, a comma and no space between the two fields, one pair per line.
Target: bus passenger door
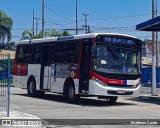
46,68
85,67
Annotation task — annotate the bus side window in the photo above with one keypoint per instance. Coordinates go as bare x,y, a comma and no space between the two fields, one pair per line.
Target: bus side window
59,47
74,46
58,53
52,50
28,54
72,53
72,57
59,58
36,54
20,54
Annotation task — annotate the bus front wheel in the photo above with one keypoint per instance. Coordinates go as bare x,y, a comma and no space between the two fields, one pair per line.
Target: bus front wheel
112,99
71,96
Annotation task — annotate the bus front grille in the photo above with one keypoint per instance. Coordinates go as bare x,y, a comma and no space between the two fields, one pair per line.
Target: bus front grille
115,93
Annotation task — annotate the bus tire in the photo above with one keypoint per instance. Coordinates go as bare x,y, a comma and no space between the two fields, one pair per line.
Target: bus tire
112,99
71,96
32,87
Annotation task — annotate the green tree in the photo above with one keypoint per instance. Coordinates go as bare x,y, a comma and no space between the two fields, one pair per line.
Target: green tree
54,33
65,33
6,24
27,34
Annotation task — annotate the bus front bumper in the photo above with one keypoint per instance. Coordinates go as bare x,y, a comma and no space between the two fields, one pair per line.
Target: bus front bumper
97,89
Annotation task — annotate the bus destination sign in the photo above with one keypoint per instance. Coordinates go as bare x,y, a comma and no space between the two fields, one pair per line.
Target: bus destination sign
119,40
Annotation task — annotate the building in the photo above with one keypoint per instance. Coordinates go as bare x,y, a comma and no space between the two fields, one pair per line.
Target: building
11,52
147,52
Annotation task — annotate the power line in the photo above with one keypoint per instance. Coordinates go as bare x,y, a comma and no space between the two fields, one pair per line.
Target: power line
95,27
20,29
69,21
54,23
57,14
114,28
122,17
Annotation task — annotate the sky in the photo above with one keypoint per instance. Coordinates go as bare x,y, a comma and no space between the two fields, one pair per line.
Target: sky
110,16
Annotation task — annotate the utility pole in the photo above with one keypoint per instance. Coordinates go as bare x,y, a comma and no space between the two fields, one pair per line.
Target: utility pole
86,27
153,55
33,24
76,18
43,18
157,44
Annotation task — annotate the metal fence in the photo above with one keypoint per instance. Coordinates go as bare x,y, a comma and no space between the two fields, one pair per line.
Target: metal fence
4,84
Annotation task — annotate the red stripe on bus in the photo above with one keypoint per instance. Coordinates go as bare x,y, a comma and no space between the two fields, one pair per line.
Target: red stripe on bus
109,81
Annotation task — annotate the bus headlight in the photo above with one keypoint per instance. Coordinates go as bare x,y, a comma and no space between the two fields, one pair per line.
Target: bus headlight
100,82
136,85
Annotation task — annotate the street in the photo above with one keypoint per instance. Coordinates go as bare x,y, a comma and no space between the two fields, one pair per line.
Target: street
53,106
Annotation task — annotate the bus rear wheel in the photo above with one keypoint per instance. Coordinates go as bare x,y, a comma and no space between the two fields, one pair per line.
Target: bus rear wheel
32,87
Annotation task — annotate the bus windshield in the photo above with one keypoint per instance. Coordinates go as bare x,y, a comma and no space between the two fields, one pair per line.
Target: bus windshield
117,60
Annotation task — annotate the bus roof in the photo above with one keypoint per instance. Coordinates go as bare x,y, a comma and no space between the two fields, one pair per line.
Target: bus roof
63,38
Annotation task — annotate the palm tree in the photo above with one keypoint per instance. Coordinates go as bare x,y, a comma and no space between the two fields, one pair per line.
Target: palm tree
26,35
6,24
55,33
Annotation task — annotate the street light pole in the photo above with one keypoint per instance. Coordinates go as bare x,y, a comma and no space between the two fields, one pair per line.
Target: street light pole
33,23
153,55
42,18
86,27
76,18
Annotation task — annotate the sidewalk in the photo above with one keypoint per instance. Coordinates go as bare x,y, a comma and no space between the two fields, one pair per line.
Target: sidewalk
19,119
146,93
17,115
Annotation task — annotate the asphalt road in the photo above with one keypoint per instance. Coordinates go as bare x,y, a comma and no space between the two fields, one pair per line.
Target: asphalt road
55,107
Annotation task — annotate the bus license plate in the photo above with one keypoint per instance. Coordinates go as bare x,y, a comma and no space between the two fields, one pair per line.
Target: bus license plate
120,91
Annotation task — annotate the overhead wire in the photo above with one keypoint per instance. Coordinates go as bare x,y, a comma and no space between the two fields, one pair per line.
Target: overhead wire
57,13
121,17
69,21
